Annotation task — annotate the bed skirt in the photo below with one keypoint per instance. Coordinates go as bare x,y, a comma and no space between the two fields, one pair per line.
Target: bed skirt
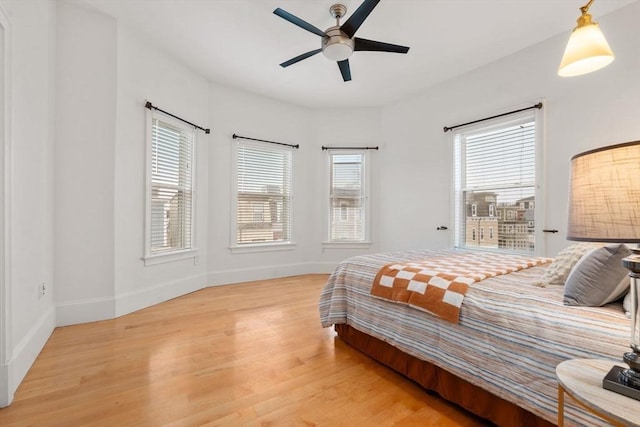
450,387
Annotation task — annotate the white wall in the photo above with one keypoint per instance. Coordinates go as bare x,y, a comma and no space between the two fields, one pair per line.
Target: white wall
585,112
106,73
234,111
144,74
86,49
31,315
359,127
237,112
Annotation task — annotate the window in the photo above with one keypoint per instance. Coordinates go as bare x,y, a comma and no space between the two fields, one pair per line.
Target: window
347,197
497,162
263,194
170,187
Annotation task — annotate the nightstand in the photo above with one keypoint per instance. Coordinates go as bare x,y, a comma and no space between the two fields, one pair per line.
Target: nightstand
582,380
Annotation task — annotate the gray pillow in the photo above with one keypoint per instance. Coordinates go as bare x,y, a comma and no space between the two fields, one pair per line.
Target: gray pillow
598,278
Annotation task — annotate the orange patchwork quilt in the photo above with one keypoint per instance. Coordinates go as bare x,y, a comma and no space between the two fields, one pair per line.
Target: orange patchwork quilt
438,285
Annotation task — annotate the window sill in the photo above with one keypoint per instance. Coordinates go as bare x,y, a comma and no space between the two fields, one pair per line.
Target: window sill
346,245
262,247
169,257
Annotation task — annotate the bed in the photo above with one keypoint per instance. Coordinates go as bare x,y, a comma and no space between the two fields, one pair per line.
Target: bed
498,361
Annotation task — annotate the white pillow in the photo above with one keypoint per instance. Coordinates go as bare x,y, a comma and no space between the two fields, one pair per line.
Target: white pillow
559,269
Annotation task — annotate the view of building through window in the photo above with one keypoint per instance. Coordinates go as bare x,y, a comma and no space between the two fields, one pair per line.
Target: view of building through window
495,186
347,199
501,225
263,206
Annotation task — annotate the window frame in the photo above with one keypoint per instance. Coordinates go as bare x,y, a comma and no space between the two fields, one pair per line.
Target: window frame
149,257
267,246
366,192
457,207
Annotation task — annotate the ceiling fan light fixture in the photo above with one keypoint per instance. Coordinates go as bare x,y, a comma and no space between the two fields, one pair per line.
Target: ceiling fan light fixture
587,49
336,45
338,51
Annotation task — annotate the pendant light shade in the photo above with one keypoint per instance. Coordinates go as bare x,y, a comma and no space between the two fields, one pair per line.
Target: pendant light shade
587,49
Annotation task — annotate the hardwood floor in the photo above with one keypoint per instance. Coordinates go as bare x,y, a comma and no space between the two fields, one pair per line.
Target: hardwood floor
245,354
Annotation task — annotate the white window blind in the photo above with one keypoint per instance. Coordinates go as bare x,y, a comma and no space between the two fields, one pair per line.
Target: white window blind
347,200
263,207
172,150
495,185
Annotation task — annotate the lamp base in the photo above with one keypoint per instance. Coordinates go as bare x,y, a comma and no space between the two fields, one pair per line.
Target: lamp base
616,381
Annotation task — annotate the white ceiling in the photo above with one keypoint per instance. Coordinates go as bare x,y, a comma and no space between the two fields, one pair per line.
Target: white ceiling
241,43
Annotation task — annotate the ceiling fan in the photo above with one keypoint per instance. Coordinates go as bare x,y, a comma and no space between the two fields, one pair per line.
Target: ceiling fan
338,42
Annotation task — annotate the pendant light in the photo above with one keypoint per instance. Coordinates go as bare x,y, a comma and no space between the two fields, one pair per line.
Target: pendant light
587,49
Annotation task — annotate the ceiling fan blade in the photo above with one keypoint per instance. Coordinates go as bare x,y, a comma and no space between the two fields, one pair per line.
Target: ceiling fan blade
300,58
357,18
299,22
345,70
374,46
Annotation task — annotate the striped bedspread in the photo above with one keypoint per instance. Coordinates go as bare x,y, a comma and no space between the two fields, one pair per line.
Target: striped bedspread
438,284
510,337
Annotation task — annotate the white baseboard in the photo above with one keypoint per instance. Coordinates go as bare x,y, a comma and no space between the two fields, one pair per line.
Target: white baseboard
85,311
132,301
6,390
322,267
95,309
25,353
225,277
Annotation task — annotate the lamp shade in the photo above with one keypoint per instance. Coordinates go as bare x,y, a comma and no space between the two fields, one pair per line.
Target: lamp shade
604,198
586,51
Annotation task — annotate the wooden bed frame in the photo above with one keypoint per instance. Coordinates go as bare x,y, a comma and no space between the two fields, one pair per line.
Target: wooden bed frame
446,384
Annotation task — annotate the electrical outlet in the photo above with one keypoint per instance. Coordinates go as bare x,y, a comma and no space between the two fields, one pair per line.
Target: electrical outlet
196,260
42,289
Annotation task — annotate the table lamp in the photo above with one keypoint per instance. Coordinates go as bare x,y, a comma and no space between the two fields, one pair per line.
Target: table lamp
604,206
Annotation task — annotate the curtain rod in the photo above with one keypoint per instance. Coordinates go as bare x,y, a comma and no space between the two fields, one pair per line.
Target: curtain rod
150,106
264,140
349,148
537,106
